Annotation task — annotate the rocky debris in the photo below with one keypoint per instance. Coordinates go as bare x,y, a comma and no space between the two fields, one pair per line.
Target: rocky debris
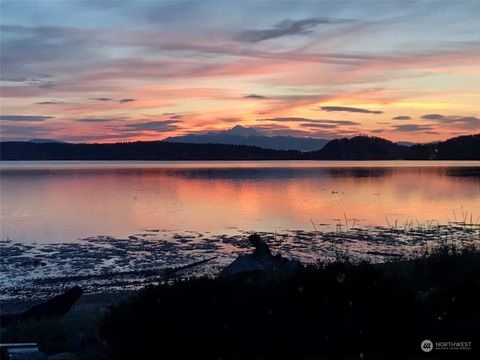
260,260
54,307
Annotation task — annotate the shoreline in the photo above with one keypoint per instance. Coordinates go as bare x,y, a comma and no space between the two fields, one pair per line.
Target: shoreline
106,264
399,301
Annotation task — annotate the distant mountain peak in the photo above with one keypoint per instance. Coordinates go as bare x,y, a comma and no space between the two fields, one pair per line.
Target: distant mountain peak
242,135
239,130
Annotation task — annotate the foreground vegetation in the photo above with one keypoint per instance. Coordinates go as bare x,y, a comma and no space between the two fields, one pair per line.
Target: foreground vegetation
336,309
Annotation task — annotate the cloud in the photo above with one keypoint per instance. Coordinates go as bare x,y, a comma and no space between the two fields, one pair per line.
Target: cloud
412,127
320,126
281,130
122,101
432,117
53,102
233,119
171,115
311,121
464,122
15,79
95,120
255,96
24,117
158,126
46,85
349,109
286,28
22,132
401,117
83,138
40,83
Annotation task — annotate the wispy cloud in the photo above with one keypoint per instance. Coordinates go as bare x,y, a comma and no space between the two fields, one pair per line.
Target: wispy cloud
23,131
96,120
433,117
412,127
465,122
349,109
157,126
252,63
311,121
52,102
286,28
24,117
320,125
255,96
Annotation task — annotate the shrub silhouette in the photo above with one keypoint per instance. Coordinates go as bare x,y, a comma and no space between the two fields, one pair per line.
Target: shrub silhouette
339,309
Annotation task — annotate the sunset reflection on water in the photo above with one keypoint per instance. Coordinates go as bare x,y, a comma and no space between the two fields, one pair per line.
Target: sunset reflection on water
62,202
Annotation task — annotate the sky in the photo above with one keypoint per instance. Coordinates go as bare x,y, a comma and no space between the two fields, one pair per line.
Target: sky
109,71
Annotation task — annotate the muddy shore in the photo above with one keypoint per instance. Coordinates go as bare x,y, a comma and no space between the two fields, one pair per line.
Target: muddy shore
105,265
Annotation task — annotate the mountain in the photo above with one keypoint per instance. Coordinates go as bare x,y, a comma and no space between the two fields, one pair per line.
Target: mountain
356,148
240,135
46,141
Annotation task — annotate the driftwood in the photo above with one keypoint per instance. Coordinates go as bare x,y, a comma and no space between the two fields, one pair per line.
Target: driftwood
61,304
55,307
171,271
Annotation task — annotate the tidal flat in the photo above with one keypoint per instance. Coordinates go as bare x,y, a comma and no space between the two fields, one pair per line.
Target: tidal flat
105,264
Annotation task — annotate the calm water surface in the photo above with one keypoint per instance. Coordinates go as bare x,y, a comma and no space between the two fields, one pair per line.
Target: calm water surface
49,202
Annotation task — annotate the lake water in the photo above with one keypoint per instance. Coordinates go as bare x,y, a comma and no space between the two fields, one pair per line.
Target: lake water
53,202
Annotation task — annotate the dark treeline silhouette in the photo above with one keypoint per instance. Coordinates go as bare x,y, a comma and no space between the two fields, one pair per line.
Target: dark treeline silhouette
462,148
361,148
356,148
142,150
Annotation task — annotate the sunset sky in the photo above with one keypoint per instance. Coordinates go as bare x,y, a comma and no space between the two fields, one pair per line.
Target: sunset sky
107,71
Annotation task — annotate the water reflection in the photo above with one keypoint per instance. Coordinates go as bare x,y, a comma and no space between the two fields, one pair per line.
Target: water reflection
64,201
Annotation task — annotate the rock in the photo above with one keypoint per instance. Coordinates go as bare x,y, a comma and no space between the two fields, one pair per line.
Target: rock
260,260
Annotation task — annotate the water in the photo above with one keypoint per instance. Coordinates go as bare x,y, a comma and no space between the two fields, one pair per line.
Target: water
114,225
57,202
